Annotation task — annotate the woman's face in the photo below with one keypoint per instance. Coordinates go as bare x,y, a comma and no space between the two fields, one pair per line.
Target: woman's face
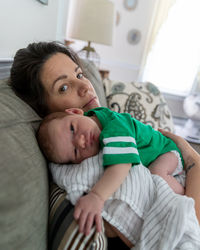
65,86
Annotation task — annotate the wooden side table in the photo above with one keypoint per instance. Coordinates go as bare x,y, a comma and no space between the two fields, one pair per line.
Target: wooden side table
178,131
195,146
68,42
104,73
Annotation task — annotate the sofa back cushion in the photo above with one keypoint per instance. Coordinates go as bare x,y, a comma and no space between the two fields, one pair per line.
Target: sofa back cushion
92,73
24,176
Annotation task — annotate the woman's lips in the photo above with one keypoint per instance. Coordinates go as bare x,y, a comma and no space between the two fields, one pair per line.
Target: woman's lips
90,102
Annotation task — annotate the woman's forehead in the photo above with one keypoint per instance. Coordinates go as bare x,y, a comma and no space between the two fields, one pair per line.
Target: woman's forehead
59,61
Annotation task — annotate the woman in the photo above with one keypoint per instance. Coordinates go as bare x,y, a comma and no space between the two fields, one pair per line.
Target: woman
49,77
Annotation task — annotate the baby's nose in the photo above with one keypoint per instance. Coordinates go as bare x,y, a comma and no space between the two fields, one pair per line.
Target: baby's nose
81,141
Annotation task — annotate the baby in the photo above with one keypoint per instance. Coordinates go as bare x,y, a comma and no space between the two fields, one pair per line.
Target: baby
71,137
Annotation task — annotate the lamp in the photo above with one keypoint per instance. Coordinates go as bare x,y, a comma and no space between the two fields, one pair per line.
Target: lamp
191,106
92,21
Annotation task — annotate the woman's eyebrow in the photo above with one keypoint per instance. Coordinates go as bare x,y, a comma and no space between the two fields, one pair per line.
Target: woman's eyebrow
63,77
57,79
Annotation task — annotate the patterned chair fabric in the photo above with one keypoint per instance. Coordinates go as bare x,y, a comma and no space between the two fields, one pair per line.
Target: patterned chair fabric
142,100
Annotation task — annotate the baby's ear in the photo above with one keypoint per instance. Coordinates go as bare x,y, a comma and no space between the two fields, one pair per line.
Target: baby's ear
74,111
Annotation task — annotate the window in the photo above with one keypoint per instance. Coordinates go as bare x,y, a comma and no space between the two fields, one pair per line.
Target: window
174,59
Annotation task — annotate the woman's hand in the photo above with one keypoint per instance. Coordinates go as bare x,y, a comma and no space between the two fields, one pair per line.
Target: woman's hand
87,211
189,154
192,166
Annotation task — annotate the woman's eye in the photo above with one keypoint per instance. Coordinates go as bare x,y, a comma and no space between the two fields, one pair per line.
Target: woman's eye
80,75
72,128
63,88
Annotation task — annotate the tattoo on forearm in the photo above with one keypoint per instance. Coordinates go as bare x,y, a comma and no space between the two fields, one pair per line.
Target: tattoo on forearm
189,167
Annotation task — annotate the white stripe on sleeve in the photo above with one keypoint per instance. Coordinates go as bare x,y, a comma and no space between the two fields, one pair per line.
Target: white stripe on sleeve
118,150
118,139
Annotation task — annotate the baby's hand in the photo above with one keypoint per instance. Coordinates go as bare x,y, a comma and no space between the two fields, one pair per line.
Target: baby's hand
87,211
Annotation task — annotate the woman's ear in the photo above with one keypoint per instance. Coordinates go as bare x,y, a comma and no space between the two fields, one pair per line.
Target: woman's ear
74,111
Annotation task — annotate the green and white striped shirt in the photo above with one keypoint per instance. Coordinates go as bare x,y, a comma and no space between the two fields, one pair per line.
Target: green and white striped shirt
126,140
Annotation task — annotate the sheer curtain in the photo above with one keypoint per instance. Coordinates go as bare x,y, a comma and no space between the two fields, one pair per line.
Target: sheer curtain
162,8
173,52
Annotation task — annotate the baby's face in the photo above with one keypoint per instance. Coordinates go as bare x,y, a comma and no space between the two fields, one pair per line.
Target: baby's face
74,137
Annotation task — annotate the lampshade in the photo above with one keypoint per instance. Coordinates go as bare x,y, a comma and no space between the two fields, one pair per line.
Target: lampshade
92,20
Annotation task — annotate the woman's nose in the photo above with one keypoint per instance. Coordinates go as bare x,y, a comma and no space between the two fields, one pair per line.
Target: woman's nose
83,89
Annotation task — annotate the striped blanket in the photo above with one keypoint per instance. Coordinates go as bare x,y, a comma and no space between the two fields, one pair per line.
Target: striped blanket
144,208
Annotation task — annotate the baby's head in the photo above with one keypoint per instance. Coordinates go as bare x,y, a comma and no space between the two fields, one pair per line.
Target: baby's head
69,137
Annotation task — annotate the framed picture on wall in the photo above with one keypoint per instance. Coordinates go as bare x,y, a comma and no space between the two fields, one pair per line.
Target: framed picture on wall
43,1
130,4
133,36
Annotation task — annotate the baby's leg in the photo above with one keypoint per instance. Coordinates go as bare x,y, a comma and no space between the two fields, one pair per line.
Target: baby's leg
164,166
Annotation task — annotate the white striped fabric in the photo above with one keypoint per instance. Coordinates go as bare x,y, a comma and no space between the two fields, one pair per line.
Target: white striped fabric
170,223
118,150
158,218
119,139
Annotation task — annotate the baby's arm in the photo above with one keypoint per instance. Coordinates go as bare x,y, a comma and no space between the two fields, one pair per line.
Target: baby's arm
89,207
164,166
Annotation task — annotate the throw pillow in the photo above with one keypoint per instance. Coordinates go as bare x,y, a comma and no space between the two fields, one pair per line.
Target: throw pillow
63,230
143,101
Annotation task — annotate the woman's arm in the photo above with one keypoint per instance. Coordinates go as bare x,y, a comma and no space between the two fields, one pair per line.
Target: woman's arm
192,167
89,207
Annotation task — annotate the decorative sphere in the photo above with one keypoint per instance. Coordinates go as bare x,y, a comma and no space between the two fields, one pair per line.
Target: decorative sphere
191,106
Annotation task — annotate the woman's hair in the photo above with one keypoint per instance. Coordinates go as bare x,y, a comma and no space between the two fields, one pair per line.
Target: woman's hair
26,68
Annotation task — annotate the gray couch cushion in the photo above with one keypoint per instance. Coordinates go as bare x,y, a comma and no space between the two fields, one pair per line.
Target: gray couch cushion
23,176
93,75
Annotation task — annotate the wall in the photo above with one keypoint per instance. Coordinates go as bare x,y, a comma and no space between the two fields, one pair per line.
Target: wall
25,21
122,59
